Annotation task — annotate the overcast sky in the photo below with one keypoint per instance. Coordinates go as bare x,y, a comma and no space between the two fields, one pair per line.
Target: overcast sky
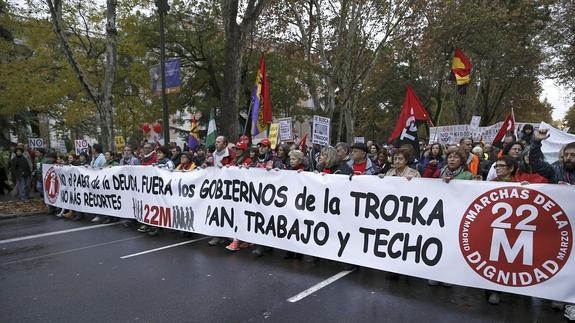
558,97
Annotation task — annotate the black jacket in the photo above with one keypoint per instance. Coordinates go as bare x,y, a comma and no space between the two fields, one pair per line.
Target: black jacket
19,168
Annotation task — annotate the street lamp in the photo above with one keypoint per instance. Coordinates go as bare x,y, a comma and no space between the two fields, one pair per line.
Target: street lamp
163,8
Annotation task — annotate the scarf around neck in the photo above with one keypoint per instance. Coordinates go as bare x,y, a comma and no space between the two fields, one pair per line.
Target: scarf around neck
445,172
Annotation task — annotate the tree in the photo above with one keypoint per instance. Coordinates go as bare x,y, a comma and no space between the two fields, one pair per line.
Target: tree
236,40
500,38
560,37
100,96
569,119
349,39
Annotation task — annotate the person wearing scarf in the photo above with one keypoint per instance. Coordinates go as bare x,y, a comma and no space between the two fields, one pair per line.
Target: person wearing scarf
186,162
455,168
149,156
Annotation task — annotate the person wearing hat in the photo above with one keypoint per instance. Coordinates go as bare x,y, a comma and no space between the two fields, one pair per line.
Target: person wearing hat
242,154
359,162
186,161
264,157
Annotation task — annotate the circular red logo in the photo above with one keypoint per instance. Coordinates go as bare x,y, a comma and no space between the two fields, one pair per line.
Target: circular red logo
51,185
515,236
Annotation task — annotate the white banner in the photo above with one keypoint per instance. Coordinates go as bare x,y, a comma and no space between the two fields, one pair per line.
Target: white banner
449,135
496,236
320,131
286,134
475,121
552,145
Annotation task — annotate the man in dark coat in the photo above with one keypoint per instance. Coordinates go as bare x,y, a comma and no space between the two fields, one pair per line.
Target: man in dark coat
21,172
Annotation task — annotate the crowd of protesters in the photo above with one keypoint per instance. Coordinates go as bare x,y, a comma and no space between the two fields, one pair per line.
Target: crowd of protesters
518,160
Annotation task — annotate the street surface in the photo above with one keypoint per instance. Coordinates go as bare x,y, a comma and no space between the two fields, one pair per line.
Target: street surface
54,270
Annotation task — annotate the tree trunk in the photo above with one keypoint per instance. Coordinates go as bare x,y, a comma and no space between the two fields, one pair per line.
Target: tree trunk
102,100
109,76
232,81
236,42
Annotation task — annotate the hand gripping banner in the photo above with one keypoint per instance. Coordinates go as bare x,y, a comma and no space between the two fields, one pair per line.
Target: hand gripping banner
496,236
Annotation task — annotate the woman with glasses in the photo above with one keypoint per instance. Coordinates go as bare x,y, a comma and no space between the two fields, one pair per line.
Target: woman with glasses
505,169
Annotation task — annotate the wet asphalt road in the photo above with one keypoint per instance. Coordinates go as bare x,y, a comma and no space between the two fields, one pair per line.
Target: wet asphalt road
79,276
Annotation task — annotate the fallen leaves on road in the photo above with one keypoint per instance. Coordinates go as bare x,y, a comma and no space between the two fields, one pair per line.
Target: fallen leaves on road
22,207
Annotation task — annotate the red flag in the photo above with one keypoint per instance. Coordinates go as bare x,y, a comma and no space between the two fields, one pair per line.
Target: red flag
267,103
460,71
302,143
261,105
507,126
412,110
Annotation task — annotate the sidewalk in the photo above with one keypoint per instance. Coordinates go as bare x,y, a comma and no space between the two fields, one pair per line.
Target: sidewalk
11,207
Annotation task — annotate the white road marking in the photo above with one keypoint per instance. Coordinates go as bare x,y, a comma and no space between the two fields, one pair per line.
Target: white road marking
71,250
161,248
319,286
41,235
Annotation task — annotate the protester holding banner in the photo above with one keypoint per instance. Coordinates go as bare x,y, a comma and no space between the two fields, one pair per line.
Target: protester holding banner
186,162
264,156
506,168
329,163
401,168
223,155
164,160
297,161
564,170
342,149
242,154
281,159
242,160
455,168
200,155
175,152
262,160
513,149
128,157
149,156
98,154
359,163
110,159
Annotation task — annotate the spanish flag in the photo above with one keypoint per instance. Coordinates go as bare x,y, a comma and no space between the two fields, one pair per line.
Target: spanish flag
194,135
261,105
460,71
